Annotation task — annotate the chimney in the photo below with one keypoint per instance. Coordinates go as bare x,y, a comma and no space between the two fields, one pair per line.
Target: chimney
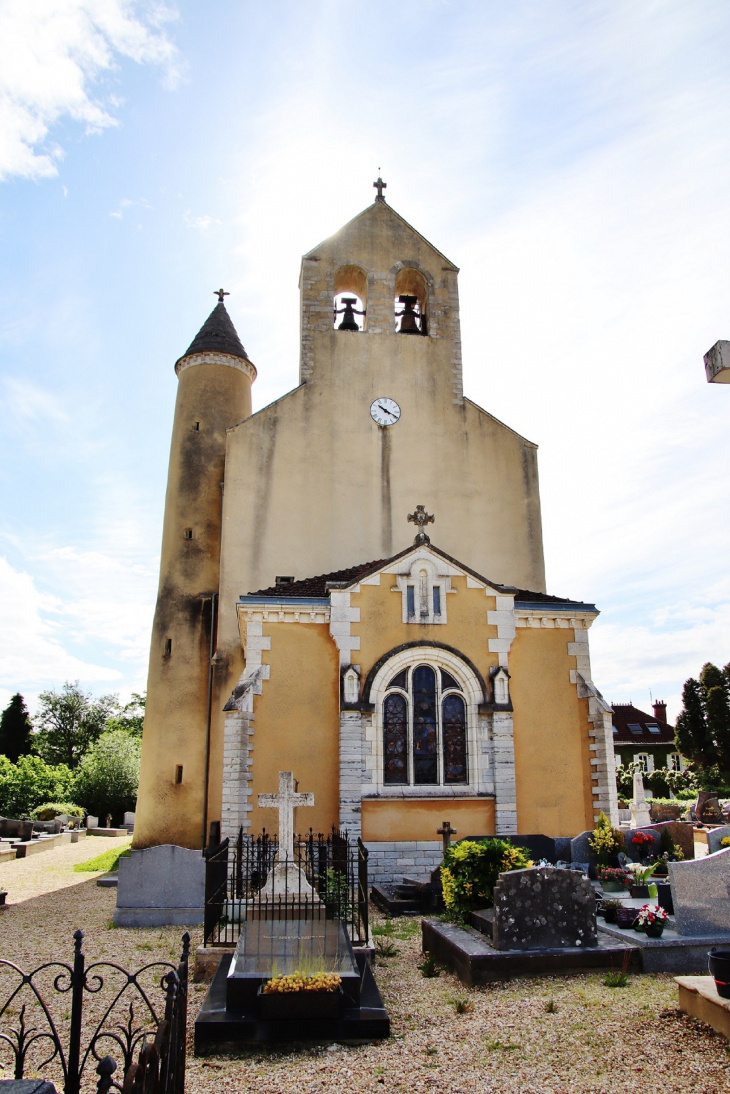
660,710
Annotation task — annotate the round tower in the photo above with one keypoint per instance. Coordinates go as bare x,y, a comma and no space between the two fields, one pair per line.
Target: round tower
214,393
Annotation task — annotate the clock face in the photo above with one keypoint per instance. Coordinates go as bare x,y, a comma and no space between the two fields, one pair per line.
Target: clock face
385,411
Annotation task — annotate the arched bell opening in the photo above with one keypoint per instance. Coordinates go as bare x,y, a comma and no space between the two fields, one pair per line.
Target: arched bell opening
350,300
411,302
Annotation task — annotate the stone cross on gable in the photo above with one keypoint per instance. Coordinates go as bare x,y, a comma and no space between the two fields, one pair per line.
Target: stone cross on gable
421,518
286,801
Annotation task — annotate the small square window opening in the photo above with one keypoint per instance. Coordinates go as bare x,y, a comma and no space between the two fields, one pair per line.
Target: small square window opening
178,774
188,533
196,426
411,600
168,647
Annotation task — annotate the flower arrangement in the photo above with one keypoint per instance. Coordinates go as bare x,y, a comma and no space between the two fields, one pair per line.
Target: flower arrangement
642,840
725,841
641,872
651,915
614,873
297,981
605,841
470,870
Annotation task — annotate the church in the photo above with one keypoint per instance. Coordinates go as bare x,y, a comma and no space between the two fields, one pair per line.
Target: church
352,585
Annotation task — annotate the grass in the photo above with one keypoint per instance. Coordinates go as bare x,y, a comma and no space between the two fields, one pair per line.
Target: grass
428,966
616,980
384,947
462,1006
107,861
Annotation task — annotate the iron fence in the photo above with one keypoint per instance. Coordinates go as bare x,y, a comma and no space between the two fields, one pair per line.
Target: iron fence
324,877
149,1042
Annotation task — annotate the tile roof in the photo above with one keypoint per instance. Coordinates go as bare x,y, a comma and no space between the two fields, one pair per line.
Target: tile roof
626,714
217,335
317,586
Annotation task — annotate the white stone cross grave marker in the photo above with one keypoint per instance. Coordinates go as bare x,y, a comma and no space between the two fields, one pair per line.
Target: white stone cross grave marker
286,801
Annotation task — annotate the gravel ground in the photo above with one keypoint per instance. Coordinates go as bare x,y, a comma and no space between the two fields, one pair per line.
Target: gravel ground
551,1036
51,870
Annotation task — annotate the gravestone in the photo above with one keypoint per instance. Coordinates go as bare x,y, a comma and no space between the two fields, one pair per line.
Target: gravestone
92,822
160,885
701,894
15,829
544,908
562,848
580,848
640,815
286,883
639,852
538,846
707,808
715,835
128,821
682,833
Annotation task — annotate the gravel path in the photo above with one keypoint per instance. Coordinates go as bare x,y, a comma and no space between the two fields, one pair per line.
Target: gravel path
53,869
551,1036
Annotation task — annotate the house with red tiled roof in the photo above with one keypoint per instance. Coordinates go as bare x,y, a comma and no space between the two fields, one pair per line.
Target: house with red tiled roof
646,738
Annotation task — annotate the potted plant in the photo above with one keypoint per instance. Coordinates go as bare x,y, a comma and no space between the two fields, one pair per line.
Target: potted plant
613,879
720,970
609,908
641,874
652,920
605,842
625,917
642,842
298,996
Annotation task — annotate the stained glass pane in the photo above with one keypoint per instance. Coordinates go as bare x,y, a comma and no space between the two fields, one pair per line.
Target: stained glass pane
447,681
400,681
436,600
425,754
411,600
454,733
395,739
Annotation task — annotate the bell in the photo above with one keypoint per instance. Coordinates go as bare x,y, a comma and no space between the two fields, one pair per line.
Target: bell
408,317
349,322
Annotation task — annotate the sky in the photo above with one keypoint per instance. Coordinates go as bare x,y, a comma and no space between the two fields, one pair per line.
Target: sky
571,158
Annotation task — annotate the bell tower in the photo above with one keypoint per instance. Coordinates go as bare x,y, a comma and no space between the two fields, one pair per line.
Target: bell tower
214,393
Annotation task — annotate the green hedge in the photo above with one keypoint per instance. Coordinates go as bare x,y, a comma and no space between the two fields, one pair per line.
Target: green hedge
470,871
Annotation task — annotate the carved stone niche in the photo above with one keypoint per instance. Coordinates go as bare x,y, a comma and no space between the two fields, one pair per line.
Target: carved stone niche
500,688
350,686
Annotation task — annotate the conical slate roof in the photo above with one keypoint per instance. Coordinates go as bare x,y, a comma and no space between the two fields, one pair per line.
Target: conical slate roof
217,335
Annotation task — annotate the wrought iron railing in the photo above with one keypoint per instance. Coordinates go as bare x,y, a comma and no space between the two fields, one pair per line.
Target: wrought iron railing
149,1043
324,877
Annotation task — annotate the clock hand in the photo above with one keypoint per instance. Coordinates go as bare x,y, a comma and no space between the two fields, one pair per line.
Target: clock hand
385,410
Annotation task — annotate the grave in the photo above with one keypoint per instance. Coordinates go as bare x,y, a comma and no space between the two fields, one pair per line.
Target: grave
284,929
714,837
543,908
640,815
16,829
414,896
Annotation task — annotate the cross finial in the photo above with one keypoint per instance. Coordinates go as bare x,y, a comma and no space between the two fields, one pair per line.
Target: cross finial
421,518
446,832
380,186
220,293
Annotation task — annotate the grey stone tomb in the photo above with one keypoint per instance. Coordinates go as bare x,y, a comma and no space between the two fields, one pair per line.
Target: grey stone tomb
161,885
544,908
701,894
715,835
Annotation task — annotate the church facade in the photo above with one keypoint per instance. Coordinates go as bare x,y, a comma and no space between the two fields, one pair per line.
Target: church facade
352,584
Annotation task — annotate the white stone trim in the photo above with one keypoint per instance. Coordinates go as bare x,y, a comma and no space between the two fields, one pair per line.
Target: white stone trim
237,748
505,785
553,618
208,358
341,619
351,771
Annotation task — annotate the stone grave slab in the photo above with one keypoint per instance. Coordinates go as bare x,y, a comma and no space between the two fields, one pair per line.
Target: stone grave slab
16,829
537,845
715,835
580,848
544,908
701,894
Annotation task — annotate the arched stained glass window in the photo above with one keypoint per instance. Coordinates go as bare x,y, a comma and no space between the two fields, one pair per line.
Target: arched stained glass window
395,739
454,738
425,740
424,735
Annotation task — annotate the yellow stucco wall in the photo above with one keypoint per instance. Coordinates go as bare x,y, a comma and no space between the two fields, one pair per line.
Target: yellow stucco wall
420,818
551,736
296,724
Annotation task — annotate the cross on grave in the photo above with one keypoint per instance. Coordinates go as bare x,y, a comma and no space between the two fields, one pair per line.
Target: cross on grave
446,832
421,518
380,186
286,801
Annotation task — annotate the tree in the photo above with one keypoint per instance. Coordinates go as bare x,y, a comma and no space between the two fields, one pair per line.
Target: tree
702,733
15,729
130,717
108,775
31,782
68,722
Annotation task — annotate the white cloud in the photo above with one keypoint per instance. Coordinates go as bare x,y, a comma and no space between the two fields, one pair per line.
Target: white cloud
128,203
52,52
33,639
201,223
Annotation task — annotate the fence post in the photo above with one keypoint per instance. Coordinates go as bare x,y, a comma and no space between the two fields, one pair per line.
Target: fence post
362,886
105,1070
78,980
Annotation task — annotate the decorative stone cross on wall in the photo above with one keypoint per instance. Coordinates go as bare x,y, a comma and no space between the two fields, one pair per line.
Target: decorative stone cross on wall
286,801
421,518
380,186
446,832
